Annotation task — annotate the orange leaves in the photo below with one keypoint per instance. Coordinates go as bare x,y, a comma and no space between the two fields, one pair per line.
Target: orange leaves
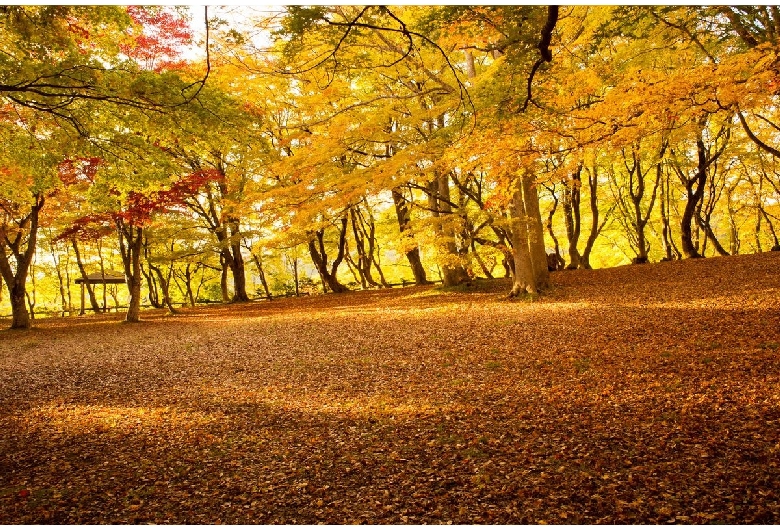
628,395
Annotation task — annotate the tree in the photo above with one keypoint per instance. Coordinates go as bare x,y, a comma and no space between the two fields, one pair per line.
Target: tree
710,145
18,234
60,61
28,179
635,212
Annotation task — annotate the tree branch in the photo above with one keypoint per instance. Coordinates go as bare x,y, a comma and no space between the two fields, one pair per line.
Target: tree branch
544,49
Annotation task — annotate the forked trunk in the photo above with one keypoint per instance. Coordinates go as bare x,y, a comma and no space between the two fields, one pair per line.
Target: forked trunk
686,226
15,280
130,247
320,258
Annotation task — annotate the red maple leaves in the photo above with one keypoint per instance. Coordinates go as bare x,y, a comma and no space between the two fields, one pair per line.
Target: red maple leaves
78,170
137,208
163,38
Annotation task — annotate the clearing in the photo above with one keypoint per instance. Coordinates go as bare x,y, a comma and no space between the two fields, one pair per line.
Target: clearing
635,394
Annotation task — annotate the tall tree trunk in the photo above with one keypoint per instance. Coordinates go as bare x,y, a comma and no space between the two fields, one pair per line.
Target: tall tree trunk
772,232
710,235
237,267
595,227
537,251
60,279
637,185
102,275
666,230
151,285
261,273
223,278
404,224
550,218
523,281
295,277
482,265
452,273
693,194
130,247
188,284
734,241
164,281
229,239
364,255
165,288
20,315
31,294
571,212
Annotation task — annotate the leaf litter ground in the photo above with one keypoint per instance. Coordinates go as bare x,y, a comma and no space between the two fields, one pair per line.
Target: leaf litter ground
636,394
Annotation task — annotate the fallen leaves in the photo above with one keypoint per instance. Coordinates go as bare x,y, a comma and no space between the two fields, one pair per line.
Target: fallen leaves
626,395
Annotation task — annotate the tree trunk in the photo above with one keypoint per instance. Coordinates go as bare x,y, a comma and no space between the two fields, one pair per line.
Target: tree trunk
164,282
571,211
261,273
151,285
188,285
523,281
709,234
102,275
694,187
535,229
686,221
361,237
734,241
320,258
638,176
237,267
130,247
666,230
482,265
90,289
404,223
550,217
595,227
165,288
439,204
20,316
772,232
31,298
60,279
16,280
229,239
223,279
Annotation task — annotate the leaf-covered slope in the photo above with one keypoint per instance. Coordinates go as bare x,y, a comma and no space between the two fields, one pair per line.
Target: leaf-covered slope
635,394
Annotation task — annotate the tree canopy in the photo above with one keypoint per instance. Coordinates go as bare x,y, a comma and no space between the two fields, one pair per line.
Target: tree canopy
342,147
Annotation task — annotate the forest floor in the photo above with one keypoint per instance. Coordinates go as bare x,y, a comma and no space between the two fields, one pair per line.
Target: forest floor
643,393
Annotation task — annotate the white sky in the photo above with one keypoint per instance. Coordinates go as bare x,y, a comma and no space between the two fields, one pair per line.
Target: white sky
237,16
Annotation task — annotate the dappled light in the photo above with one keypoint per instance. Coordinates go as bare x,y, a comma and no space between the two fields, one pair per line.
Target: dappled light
595,405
